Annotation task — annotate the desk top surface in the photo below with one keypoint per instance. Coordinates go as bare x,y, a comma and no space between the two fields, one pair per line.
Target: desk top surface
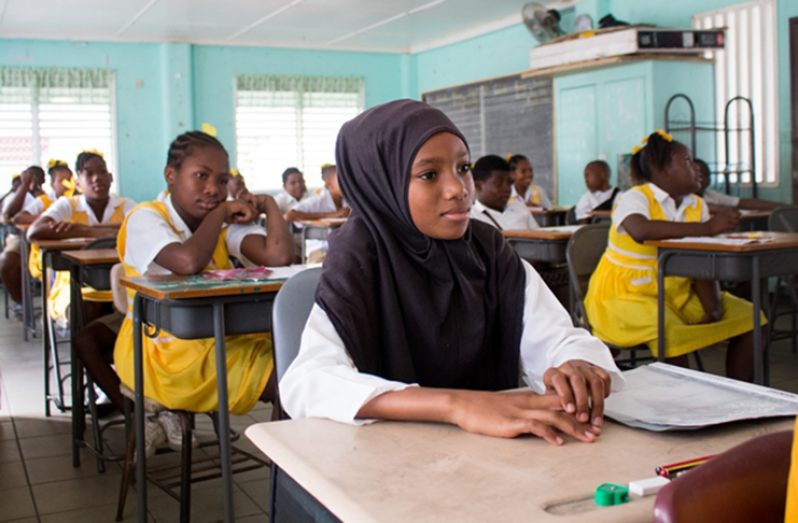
544,233
396,472
196,286
541,210
777,240
326,222
69,244
599,213
93,256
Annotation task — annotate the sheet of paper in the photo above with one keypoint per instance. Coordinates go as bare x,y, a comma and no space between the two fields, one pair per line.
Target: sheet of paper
283,273
563,228
741,239
661,397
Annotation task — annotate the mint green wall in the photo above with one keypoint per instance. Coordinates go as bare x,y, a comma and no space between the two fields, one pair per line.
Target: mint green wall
163,90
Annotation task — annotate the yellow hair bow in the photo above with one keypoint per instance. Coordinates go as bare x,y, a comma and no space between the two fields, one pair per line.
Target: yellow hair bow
69,183
665,136
15,176
93,151
510,156
327,165
56,163
234,173
636,149
209,129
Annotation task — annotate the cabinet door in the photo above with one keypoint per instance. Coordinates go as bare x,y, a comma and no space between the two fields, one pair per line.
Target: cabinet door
622,116
577,140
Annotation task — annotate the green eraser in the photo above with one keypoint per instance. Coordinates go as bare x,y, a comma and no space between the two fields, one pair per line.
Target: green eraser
608,494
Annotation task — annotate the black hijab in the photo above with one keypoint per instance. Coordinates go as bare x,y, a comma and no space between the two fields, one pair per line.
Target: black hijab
441,313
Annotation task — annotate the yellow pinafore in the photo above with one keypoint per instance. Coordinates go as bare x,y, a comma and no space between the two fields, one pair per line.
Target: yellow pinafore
181,374
35,256
621,301
58,301
791,515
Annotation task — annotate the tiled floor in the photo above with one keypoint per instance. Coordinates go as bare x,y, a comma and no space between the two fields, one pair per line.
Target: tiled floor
39,484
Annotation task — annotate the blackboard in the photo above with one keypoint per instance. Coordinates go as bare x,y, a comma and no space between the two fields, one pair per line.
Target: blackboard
508,115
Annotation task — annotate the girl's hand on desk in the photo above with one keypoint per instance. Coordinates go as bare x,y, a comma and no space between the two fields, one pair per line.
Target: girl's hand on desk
574,382
62,227
725,221
238,211
511,414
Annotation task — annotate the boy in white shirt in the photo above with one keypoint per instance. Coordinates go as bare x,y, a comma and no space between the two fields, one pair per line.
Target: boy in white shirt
329,204
294,190
716,200
601,195
493,206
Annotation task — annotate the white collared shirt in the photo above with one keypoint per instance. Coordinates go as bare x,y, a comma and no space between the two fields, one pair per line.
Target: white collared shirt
61,210
322,202
286,202
591,200
148,233
322,381
516,215
28,200
635,202
718,198
545,202
36,207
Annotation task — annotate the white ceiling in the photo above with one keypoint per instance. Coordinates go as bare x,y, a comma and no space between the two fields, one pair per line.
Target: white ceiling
401,26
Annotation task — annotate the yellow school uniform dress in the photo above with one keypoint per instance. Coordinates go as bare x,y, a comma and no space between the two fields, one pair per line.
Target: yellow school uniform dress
534,195
35,254
621,301
59,299
181,374
791,515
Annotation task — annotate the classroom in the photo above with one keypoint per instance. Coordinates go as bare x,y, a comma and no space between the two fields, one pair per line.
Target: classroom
462,260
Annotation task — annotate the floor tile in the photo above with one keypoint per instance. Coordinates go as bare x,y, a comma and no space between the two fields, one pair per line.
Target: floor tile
59,468
9,451
204,508
46,446
87,492
258,491
34,428
16,503
13,475
104,514
7,430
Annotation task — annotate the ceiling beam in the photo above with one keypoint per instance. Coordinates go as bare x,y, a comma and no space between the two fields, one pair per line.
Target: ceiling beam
137,16
264,19
386,21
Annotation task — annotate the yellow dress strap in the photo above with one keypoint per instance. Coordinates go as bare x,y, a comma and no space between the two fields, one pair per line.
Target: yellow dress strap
792,483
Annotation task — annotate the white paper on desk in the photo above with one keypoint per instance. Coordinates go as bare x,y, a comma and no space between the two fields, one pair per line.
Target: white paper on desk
563,228
671,397
720,240
283,273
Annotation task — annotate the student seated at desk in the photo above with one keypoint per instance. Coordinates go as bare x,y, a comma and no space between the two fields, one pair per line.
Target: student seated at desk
93,214
422,314
16,181
329,203
294,190
523,189
621,301
62,185
237,186
600,195
27,191
493,205
193,230
718,200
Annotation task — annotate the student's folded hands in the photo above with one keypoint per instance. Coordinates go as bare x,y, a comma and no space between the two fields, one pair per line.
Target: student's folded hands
239,211
581,388
511,414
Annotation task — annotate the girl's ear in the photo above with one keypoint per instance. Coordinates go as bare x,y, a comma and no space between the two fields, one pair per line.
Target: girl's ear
478,185
169,173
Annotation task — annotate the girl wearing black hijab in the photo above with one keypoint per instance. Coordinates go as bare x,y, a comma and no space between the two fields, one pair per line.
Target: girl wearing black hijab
424,315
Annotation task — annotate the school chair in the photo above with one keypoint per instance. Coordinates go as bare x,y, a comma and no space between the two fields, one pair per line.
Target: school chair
189,470
746,483
570,216
784,219
583,253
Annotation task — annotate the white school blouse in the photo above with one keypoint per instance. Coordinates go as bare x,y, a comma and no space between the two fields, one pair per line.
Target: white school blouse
286,202
718,198
515,215
61,210
545,202
635,202
591,200
322,381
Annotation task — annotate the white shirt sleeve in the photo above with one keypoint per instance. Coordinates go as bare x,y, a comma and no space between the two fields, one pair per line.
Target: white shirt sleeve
631,202
583,207
235,237
544,198
718,198
147,234
550,338
60,211
323,382
129,206
35,208
315,203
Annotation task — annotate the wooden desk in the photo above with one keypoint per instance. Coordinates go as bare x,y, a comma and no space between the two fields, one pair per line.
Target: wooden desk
93,268
546,244
753,261
52,259
191,307
549,217
317,230
397,472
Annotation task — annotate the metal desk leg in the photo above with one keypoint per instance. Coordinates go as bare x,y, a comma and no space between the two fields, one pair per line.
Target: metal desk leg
661,262
304,235
141,459
76,323
224,412
756,290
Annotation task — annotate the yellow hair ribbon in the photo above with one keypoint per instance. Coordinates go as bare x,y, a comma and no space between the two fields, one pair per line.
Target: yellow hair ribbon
56,163
327,165
510,156
15,176
209,129
234,173
93,151
665,136
636,149
69,183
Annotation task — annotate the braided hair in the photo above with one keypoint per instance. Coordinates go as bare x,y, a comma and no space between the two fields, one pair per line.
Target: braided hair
83,159
655,156
515,159
182,146
57,166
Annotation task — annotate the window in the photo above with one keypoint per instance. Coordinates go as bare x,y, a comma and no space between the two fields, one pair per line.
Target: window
747,67
289,121
54,113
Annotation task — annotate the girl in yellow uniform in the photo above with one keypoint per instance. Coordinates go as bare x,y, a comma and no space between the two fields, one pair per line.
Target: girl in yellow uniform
61,182
194,229
93,214
792,482
524,190
621,301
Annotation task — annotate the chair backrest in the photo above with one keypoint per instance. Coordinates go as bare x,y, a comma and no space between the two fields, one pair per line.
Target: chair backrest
289,316
119,293
583,253
570,216
784,219
102,243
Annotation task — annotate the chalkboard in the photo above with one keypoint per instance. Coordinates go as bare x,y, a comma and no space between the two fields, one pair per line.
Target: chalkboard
508,115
